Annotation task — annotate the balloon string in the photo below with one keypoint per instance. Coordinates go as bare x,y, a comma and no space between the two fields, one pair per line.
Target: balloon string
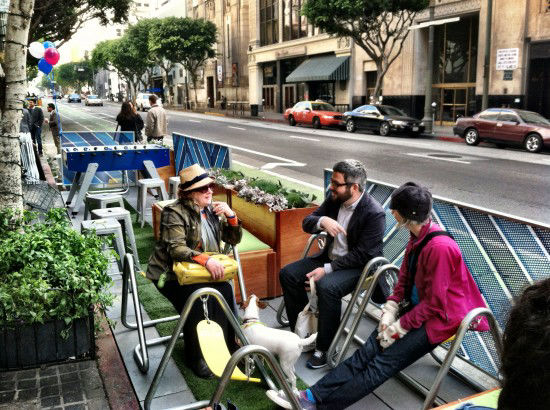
55,103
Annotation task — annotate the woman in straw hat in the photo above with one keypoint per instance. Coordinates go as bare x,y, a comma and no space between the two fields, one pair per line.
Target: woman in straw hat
190,227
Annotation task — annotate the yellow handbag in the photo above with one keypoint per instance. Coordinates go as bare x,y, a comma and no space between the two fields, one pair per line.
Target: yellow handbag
189,273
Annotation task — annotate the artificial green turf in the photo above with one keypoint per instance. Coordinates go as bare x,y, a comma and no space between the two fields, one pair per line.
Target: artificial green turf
246,396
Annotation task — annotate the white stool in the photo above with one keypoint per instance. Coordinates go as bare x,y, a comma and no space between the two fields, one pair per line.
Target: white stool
144,185
125,220
174,183
98,201
104,227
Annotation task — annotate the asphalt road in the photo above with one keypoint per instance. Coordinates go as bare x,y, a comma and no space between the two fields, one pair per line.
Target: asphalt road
506,180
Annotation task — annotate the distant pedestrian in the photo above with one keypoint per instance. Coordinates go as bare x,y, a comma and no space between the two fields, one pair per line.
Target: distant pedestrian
37,118
156,122
25,124
54,126
129,120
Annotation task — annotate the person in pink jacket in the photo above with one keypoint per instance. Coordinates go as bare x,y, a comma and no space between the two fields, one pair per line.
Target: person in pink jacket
434,292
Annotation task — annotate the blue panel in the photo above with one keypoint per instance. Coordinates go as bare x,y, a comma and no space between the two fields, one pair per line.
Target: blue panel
381,193
527,248
484,276
395,244
544,237
189,151
476,353
115,160
497,250
124,137
390,222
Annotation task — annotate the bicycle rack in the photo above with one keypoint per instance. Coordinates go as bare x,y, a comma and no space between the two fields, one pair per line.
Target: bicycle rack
141,356
235,358
233,361
335,357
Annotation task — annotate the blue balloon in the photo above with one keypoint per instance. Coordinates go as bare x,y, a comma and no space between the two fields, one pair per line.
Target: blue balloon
48,44
44,66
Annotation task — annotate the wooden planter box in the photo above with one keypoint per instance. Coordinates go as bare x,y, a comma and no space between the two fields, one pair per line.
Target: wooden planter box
281,230
32,345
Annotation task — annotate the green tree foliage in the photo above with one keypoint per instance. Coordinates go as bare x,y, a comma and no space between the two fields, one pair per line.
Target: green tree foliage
187,41
138,38
58,20
74,75
379,27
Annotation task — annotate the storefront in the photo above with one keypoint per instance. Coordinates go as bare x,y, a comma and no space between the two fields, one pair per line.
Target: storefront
538,89
454,75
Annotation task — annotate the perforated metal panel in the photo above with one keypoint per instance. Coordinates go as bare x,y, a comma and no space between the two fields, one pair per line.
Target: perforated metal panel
498,251
189,151
395,244
381,193
527,248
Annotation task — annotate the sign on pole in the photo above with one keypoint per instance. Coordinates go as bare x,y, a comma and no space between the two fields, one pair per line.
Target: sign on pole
507,58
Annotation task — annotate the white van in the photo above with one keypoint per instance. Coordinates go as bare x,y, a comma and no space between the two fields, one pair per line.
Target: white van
142,102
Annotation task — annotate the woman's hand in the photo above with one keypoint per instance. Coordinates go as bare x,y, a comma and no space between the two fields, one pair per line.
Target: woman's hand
215,268
221,208
389,314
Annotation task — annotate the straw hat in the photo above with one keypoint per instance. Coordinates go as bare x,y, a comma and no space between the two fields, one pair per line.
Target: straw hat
194,177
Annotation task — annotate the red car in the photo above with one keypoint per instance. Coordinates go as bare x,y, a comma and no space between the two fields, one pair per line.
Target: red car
505,126
317,113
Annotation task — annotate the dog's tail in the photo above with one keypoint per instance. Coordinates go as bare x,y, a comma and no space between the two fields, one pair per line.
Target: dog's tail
307,341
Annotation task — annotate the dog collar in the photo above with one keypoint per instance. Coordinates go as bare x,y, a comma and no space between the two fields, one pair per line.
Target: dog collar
251,322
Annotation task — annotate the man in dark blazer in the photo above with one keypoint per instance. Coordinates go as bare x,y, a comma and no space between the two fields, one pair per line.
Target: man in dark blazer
355,225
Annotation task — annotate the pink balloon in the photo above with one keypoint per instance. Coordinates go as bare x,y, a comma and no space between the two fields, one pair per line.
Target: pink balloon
51,55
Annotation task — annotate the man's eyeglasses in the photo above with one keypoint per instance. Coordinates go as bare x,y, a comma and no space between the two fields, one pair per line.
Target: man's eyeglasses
204,189
339,184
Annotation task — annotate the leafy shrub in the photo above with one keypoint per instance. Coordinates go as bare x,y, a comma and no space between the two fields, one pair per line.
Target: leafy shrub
262,191
48,270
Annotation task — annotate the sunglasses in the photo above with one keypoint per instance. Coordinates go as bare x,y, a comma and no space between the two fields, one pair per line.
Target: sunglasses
204,189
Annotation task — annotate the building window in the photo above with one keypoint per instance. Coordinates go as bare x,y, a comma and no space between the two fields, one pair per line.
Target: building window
370,78
118,32
294,24
269,22
547,6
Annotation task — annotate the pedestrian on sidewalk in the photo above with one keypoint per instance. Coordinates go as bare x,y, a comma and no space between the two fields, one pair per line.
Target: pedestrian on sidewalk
156,122
25,125
37,118
129,120
54,126
434,292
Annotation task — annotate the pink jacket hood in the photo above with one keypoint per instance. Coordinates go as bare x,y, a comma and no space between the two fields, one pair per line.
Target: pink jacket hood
446,289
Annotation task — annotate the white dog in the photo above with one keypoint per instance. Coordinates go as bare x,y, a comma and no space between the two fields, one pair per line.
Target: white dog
287,346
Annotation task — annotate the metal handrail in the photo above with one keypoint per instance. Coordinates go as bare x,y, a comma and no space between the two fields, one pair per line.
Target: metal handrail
333,356
431,395
320,236
177,333
239,355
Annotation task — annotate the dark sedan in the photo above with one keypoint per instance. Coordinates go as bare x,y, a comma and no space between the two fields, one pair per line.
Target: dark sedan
74,98
505,126
383,120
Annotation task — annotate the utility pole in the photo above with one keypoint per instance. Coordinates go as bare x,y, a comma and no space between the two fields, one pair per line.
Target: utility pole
487,63
428,78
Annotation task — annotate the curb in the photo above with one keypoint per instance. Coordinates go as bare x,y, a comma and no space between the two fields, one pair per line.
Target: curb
116,382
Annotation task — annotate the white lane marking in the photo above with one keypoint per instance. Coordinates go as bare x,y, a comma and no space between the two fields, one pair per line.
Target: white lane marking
236,128
271,165
194,121
439,159
303,138
93,116
286,161
275,174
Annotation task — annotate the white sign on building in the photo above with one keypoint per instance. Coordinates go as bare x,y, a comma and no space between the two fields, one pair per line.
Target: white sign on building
507,58
4,6
220,73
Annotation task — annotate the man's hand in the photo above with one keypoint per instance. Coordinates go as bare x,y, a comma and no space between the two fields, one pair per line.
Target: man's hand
332,227
220,208
215,268
316,274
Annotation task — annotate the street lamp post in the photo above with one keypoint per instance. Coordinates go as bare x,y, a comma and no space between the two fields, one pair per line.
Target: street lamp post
428,78
434,105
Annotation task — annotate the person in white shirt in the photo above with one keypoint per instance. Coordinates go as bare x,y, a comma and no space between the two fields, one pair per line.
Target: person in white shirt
355,225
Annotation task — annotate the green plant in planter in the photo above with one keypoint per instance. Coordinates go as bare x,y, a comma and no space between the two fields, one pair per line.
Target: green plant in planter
262,191
48,270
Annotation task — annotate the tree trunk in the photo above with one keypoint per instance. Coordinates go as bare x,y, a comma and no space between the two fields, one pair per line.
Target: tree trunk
194,80
17,32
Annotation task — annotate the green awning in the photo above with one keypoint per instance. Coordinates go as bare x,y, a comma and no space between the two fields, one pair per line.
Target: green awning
327,68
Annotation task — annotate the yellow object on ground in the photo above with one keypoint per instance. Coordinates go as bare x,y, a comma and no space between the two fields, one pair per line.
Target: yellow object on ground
215,352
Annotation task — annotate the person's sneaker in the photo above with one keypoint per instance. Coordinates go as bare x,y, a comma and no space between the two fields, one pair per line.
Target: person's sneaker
317,360
280,399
